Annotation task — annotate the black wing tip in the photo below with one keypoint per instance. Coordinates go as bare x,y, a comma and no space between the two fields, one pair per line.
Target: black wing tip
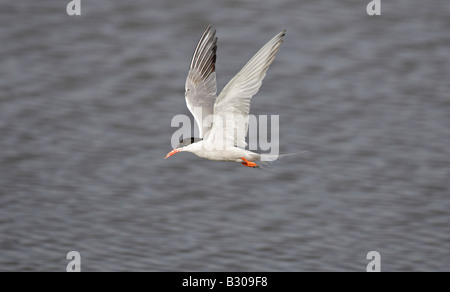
204,57
281,35
209,30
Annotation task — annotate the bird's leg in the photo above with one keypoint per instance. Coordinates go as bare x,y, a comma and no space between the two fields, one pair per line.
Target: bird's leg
248,163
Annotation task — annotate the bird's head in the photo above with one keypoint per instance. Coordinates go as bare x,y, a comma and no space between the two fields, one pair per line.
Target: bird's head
183,146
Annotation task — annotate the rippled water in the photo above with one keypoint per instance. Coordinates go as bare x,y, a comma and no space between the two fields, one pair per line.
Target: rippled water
85,110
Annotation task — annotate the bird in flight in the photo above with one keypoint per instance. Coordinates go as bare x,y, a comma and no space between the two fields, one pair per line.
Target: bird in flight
223,120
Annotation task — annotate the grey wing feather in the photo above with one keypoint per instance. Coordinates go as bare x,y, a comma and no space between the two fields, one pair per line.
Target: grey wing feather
234,100
201,85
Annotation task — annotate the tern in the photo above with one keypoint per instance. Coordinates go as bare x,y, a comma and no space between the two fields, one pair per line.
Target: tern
220,140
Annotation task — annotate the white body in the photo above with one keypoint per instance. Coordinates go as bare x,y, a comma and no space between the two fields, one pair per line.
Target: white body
206,150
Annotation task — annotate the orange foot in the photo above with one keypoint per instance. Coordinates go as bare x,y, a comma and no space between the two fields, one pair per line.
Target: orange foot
248,163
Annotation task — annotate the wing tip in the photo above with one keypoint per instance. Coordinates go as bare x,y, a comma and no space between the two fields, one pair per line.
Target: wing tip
204,58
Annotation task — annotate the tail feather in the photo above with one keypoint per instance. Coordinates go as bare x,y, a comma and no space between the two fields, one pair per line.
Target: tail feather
265,164
273,157
266,160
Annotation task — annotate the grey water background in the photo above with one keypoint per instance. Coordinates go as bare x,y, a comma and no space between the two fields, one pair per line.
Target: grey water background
85,109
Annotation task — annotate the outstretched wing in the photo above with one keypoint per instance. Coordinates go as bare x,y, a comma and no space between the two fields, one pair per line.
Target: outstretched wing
232,107
201,81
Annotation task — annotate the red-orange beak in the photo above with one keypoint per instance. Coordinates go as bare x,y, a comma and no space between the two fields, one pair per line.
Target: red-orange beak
172,152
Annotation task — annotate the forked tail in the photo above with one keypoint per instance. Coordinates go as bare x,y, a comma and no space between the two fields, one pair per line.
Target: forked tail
266,160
